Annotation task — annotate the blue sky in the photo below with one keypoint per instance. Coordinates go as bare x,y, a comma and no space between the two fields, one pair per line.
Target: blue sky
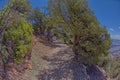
106,11
108,14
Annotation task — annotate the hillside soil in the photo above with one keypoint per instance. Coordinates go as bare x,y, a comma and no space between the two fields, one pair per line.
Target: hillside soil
55,62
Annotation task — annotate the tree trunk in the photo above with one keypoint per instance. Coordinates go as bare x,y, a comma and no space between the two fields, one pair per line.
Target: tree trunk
28,55
5,75
75,46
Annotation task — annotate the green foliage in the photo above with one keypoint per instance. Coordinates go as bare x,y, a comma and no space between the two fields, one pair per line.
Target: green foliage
18,37
16,31
111,65
41,24
36,18
92,46
79,27
15,37
21,6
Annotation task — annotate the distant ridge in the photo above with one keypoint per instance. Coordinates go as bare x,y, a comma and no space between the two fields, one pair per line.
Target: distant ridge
115,42
115,47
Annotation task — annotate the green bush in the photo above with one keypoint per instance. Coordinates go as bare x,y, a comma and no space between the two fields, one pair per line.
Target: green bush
111,65
17,39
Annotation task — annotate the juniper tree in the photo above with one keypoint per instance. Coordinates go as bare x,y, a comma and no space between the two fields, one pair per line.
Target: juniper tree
21,6
16,35
36,18
81,29
41,23
4,13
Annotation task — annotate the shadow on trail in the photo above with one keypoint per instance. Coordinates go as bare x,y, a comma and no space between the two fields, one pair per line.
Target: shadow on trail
63,67
50,43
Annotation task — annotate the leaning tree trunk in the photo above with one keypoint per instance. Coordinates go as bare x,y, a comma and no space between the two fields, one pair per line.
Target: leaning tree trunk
75,46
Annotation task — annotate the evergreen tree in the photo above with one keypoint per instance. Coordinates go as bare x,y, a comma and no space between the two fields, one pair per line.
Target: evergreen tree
21,6
83,31
36,18
15,32
17,39
16,36
41,23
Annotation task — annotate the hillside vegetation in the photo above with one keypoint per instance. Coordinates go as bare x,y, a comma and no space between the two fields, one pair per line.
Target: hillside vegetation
63,42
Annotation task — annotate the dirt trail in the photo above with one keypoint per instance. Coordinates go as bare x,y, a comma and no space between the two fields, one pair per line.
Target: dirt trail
45,59
58,63
54,63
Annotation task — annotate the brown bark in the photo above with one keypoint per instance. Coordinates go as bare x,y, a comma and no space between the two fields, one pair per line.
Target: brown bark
28,55
5,74
75,45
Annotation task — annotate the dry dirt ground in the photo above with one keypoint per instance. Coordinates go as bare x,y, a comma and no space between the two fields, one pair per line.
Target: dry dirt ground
50,63
57,63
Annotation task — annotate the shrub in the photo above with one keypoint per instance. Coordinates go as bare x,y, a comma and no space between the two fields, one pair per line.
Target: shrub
17,39
112,66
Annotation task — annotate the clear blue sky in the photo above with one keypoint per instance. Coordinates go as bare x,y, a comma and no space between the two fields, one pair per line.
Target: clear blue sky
106,11
108,14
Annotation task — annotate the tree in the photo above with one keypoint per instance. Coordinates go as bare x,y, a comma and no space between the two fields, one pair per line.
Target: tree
4,21
79,24
16,36
17,39
41,23
111,66
36,18
21,6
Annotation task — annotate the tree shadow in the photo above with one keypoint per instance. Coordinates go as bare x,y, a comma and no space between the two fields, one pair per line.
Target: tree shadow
95,73
63,66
